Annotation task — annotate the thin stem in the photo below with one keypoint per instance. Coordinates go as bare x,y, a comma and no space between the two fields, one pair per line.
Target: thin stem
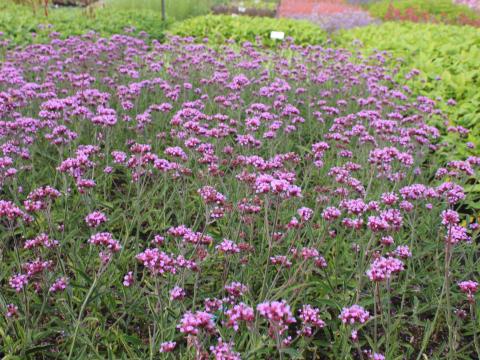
375,325
387,330
448,246
361,264
475,335
359,350
82,309
279,343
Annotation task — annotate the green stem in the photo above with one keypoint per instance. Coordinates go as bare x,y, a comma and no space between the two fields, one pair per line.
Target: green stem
448,246
90,291
375,325
387,330
475,335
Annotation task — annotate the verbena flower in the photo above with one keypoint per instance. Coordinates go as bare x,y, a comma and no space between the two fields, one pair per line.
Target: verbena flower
18,282
382,268
59,285
354,314
224,351
105,239
177,293
193,323
239,313
167,346
128,279
310,318
95,219
470,288
278,314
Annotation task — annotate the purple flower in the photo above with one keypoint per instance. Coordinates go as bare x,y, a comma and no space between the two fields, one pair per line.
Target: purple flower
354,314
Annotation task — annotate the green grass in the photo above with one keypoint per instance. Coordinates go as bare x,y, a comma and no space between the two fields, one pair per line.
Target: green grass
184,9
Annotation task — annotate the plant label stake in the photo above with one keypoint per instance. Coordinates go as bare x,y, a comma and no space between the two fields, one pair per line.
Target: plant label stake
277,35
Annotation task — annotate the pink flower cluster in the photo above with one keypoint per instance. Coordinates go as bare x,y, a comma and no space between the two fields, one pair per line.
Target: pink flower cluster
310,318
105,239
193,323
278,314
95,219
238,313
382,268
354,314
469,287
157,261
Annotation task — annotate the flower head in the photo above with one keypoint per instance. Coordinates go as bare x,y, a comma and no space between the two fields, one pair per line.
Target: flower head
354,314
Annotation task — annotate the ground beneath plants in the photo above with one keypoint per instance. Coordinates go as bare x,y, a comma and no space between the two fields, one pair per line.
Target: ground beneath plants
331,15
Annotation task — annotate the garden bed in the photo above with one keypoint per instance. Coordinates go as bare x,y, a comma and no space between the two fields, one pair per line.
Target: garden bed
177,200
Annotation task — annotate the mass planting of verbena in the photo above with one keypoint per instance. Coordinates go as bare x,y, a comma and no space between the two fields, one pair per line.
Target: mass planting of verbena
448,60
176,201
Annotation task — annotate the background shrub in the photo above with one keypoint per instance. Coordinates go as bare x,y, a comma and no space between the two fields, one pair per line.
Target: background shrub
175,9
22,26
448,58
424,10
220,27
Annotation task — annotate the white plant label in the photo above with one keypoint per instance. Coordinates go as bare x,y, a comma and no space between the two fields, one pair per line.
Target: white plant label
278,35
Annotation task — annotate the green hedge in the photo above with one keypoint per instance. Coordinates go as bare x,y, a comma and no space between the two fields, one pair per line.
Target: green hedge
219,28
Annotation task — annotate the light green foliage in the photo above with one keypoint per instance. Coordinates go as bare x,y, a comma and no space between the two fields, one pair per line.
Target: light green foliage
175,9
218,28
448,58
257,4
444,10
21,26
